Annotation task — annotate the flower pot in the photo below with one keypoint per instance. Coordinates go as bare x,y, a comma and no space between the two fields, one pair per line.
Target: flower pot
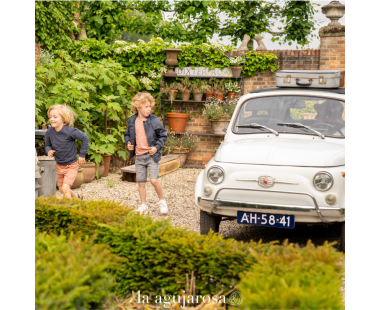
231,95
185,95
219,95
182,155
107,160
217,126
197,95
78,179
177,121
100,170
172,95
209,95
44,127
236,71
171,60
88,172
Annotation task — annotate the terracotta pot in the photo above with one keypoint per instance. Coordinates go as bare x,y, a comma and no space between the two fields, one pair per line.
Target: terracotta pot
231,95
107,160
44,127
209,95
217,126
197,95
78,179
182,155
219,95
171,60
172,95
177,121
100,170
236,71
185,95
88,172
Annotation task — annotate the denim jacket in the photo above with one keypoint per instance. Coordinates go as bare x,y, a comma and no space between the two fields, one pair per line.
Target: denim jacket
155,133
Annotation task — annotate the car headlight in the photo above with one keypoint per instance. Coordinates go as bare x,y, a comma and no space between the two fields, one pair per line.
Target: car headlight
215,175
323,181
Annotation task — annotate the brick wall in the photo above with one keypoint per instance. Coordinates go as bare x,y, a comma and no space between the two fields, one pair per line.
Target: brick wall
332,53
299,60
36,51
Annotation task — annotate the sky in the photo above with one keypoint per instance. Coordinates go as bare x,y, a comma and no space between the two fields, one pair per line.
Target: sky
319,16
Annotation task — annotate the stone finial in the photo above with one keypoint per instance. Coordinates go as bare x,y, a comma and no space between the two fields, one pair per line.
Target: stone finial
260,43
244,45
334,11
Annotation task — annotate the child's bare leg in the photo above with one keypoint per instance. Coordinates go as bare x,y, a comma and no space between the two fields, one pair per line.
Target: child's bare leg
142,192
158,188
66,191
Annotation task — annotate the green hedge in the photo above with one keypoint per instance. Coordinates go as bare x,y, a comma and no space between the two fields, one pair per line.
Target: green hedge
71,273
156,256
290,277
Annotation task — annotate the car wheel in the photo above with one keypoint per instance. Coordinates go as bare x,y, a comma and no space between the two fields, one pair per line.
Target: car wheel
342,238
209,222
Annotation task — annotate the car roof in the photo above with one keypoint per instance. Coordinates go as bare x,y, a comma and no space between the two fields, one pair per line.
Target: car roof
331,90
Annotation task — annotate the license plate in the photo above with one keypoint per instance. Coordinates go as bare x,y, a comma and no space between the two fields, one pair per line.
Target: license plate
265,219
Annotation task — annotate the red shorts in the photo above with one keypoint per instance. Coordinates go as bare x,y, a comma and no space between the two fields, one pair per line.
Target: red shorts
66,174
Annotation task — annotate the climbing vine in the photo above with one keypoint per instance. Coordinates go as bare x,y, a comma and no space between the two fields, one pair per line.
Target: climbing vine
54,23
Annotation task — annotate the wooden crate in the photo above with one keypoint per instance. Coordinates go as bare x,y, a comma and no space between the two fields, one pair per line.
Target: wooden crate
167,164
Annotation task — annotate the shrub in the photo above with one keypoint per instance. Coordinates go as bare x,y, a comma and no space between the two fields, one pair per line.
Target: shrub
72,274
215,109
157,256
290,277
63,216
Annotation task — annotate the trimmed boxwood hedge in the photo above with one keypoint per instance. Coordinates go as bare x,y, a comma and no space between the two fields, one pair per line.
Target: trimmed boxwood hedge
156,256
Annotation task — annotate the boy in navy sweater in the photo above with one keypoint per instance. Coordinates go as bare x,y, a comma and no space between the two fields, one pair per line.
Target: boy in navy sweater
60,142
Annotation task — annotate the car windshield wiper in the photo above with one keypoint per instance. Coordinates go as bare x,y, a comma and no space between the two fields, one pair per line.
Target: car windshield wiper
254,125
299,125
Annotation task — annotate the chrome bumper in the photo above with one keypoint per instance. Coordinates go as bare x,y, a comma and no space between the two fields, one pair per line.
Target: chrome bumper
315,210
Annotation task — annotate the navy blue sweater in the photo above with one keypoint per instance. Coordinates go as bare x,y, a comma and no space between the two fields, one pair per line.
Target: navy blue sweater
64,144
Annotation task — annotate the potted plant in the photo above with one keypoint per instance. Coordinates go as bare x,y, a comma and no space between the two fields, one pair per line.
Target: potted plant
219,113
170,90
180,144
236,65
198,88
88,170
219,89
210,88
232,89
185,89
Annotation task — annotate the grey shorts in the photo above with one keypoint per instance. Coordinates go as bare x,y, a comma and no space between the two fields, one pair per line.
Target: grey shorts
143,164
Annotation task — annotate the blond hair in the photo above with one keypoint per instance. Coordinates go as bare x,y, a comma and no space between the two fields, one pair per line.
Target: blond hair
139,100
66,112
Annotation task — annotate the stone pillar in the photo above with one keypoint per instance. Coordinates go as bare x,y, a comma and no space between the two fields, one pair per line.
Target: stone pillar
332,55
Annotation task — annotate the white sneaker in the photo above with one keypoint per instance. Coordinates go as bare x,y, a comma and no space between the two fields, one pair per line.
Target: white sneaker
142,208
163,206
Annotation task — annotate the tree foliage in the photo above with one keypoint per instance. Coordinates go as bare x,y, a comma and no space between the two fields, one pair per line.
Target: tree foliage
198,21
54,23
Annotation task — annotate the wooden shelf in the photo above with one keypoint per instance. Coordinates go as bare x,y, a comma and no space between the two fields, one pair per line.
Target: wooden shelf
197,134
177,100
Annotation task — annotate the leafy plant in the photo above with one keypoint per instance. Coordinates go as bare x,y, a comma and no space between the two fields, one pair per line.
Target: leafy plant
215,109
236,61
111,183
256,61
232,87
93,90
185,141
54,23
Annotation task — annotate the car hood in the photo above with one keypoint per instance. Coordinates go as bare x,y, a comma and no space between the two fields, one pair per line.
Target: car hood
283,152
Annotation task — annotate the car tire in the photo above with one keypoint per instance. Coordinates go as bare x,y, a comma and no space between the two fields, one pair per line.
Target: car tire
343,238
209,222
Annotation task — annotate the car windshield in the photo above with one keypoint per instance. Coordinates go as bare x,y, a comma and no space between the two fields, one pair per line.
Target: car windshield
327,116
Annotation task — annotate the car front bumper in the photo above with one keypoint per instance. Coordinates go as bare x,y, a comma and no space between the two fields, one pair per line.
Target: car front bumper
312,213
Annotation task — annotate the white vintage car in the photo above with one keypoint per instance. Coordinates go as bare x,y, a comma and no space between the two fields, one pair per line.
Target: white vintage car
282,162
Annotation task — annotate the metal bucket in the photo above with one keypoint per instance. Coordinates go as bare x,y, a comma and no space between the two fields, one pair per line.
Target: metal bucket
48,180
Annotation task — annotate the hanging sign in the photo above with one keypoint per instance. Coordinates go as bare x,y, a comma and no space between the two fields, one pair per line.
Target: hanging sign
203,72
